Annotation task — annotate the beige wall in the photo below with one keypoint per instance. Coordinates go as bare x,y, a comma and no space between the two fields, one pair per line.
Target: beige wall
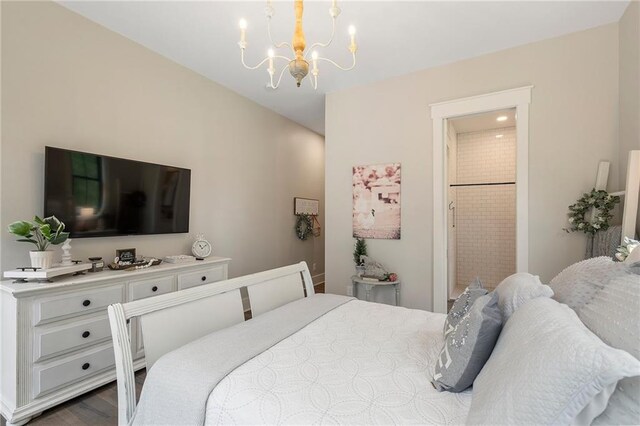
71,83
629,73
574,125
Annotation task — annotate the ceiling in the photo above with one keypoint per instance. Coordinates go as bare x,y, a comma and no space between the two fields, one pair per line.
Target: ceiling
394,38
484,121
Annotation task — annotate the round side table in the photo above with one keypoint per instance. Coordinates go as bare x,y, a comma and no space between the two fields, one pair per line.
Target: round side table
368,285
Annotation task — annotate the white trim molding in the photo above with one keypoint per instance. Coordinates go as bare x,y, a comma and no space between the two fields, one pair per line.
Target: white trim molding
518,98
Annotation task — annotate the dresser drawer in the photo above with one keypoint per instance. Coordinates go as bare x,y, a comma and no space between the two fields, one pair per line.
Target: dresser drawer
205,276
77,303
74,368
50,342
152,287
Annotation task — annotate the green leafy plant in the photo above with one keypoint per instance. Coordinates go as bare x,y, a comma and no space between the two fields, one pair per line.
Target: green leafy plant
359,250
599,200
40,232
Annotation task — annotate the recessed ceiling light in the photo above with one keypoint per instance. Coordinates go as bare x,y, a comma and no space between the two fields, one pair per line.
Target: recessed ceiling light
502,118
499,136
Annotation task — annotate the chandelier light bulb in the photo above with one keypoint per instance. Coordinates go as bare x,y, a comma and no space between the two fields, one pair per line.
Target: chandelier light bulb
352,30
243,24
271,53
314,55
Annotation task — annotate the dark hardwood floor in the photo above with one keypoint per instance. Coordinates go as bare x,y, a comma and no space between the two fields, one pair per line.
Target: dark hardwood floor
98,407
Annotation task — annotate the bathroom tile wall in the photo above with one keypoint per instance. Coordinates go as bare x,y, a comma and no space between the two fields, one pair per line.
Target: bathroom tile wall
485,215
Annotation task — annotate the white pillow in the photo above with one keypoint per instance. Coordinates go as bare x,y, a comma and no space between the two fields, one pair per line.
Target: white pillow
613,315
634,257
517,289
578,284
547,368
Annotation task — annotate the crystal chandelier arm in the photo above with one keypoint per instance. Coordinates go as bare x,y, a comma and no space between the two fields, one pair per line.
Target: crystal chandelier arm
333,32
279,78
353,54
276,45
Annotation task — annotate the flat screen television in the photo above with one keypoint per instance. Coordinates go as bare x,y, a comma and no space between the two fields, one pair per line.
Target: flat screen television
100,196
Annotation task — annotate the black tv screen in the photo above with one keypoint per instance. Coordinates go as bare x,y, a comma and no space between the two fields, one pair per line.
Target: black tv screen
100,196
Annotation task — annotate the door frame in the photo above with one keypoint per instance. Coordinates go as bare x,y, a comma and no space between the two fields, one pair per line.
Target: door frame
518,98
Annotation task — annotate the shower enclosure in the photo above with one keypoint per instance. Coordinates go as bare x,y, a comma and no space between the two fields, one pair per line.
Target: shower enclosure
481,161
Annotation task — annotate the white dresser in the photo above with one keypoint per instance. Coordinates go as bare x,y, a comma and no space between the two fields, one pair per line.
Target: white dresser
55,341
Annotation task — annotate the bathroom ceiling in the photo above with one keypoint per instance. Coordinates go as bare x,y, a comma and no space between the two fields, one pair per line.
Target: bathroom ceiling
394,38
485,121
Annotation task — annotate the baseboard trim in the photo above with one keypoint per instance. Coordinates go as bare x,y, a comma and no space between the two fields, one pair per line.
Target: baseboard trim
317,279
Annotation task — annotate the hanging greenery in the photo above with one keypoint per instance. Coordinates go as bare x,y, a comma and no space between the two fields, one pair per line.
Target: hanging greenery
602,202
304,226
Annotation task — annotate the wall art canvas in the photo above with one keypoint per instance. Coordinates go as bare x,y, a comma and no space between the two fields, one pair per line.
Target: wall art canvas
376,201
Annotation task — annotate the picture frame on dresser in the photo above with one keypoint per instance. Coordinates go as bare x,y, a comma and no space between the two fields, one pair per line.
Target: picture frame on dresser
55,337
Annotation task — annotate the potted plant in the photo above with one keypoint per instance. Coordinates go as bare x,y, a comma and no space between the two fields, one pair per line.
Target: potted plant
42,233
359,251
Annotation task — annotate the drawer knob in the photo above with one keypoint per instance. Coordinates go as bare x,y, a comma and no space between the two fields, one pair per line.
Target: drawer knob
203,278
154,288
87,302
86,334
86,366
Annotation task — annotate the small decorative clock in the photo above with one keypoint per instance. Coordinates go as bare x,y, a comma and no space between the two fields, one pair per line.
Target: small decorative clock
201,248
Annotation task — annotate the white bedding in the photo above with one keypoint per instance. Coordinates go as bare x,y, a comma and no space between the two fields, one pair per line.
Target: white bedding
362,363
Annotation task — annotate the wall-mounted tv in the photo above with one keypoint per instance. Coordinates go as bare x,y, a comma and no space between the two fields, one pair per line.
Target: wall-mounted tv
100,196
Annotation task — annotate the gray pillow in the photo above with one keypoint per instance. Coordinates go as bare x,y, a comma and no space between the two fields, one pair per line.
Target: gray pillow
468,345
463,303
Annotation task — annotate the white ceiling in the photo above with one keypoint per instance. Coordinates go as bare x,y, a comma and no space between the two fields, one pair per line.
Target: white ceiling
394,38
484,121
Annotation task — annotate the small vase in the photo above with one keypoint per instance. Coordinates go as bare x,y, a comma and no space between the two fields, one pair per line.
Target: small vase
41,259
360,270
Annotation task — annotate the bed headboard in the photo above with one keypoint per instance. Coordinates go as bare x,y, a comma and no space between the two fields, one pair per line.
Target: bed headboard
171,320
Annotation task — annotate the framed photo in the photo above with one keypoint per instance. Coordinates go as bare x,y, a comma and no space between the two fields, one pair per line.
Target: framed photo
306,206
126,255
376,201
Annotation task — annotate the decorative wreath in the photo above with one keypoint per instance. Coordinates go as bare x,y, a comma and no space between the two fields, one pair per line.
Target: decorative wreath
304,226
602,202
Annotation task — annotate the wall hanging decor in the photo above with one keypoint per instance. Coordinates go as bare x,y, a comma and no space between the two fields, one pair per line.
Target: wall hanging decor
304,226
376,201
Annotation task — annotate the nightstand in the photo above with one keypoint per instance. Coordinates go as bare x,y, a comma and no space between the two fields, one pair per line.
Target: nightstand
368,285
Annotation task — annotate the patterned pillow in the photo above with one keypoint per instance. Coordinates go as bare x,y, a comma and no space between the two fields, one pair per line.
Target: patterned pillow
517,289
468,345
463,303
579,283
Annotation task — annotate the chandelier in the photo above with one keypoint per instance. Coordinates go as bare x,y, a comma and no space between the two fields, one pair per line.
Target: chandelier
298,66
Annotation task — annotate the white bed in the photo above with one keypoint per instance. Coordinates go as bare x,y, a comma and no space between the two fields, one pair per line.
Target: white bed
361,363
358,363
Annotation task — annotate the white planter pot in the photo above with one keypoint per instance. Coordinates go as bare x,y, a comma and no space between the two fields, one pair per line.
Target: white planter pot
41,259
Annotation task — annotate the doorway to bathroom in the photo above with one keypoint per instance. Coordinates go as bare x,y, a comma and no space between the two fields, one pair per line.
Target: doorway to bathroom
518,99
481,199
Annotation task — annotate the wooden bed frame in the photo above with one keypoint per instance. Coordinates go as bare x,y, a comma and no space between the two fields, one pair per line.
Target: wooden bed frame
171,320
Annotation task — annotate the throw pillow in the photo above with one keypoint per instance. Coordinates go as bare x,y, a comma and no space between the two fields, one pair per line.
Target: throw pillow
463,303
468,346
547,368
515,290
577,285
613,316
